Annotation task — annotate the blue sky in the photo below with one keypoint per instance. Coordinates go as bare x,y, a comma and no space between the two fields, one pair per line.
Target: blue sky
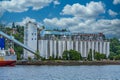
88,16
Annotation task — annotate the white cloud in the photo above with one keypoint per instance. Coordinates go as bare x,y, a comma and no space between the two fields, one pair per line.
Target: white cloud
56,2
84,19
112,13
63,22
87,26
27,19
116,2
1,11
90,10
23,5
24,21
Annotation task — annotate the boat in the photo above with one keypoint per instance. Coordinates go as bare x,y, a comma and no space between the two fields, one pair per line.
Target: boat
7,57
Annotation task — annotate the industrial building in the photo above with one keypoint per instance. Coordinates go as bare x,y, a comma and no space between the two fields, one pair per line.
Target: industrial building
30,38
54,42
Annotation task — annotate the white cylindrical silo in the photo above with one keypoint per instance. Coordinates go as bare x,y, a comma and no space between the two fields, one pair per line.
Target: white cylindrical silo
89,46
55,48
85,49
96,46
42,48
51,47
64,46
108,49
104,47
46,48
100,47
76,45
93,50
39,46
59,48
71,45
81,48
61,41
68,45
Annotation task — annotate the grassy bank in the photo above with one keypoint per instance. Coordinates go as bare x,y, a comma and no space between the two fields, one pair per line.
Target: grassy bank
61,62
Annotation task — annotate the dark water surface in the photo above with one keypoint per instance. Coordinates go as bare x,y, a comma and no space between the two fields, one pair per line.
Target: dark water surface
107,72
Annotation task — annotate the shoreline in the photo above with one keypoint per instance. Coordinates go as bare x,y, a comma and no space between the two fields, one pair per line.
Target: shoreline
68,63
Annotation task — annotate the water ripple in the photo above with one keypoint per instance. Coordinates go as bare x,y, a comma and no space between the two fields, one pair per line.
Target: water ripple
110,72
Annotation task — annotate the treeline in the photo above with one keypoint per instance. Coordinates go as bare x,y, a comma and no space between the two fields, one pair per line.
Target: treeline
19,35
114,49
18,32
75,55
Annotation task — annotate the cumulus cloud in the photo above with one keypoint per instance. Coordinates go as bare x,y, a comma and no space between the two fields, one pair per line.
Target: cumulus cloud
116,2
82,21
56,2
26,20
90,10
63,22
87,26
112,13
23,5
1,11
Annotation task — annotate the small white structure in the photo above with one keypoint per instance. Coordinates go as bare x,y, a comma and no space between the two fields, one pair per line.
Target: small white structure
30,38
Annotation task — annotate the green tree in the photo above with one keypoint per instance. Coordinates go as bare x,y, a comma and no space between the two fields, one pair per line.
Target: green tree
118,52
29,59
13,25
37,55
90,55
65,55
111,56
114,49
97,56
71,55
117,57
102,56
114,45
74,55
51,58
19,36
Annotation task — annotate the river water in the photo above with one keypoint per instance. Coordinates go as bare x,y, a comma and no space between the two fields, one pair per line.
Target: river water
106,72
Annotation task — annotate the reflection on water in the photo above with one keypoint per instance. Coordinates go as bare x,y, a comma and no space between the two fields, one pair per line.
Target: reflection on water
108,72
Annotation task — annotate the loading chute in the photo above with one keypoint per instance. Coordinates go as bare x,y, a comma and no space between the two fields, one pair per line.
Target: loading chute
17,42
